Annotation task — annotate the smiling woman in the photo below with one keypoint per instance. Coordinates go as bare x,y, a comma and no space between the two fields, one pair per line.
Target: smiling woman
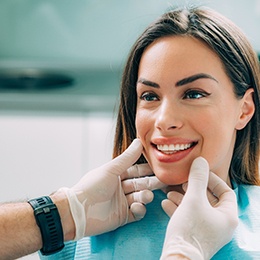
190,88
210,59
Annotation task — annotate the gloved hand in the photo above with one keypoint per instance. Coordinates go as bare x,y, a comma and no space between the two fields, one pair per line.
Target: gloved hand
101,202
197,230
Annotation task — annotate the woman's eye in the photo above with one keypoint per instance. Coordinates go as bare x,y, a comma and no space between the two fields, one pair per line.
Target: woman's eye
148,97
195,94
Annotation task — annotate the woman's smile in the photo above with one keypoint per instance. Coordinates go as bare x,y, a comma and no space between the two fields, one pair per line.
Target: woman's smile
172,150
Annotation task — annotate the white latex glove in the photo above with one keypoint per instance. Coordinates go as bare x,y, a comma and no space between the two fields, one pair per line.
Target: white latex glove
99,203
197,230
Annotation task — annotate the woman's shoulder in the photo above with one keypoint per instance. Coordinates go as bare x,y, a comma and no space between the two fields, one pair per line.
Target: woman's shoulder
250,190
248,199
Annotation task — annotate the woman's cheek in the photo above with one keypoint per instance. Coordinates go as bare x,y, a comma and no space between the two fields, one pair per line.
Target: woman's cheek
140,125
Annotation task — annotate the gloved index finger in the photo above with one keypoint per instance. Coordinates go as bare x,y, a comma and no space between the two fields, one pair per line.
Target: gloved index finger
221,190
125,160
137,171
216,185
227,199
145,183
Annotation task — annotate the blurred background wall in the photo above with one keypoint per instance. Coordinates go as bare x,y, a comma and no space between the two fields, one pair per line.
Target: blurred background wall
96,32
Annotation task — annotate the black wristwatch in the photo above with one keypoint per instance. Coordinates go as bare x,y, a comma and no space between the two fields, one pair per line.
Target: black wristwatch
48,219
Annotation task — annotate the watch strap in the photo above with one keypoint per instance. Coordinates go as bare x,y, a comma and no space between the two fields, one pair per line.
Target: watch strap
48,219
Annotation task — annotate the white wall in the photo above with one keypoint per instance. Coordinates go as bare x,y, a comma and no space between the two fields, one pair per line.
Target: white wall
41,152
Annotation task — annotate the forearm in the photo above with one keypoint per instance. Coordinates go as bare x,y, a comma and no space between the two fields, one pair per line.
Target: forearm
19,233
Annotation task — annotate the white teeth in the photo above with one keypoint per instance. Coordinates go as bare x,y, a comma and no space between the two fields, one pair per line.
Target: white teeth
169,149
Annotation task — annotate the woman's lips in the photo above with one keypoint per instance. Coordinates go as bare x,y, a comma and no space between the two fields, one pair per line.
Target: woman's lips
168,153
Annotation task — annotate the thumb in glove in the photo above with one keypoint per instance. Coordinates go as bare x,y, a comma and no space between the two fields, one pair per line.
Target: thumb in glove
196,229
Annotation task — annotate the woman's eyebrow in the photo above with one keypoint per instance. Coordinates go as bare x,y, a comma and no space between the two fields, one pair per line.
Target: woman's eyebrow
193,78
178,83
148,83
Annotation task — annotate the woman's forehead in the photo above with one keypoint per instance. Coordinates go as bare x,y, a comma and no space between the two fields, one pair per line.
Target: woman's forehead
179,57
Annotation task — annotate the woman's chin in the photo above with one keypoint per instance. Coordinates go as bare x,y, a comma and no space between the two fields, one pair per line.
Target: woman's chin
170,179
170,174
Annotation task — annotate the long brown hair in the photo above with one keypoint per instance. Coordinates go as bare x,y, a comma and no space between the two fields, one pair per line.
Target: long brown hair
241,65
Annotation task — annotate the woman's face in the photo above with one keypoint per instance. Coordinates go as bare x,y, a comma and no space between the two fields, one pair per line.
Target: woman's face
186,108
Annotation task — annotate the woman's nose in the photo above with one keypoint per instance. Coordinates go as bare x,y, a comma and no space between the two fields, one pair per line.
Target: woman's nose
169,117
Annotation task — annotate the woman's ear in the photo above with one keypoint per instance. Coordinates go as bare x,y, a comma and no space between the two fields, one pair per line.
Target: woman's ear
247,109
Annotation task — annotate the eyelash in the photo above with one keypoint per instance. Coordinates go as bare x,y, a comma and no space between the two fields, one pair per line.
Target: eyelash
195,92
147,95
187,95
